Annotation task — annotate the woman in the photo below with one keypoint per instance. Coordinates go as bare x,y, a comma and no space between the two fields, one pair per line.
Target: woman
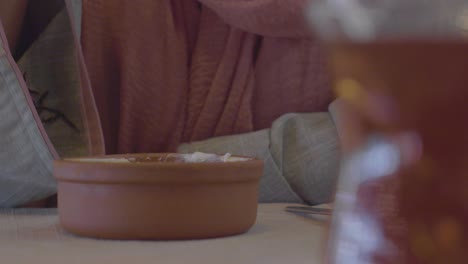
214,76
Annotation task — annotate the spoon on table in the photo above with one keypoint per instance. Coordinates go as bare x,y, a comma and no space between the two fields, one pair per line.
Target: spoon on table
309,210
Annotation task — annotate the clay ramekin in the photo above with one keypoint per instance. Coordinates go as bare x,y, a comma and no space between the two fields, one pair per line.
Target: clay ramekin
156,200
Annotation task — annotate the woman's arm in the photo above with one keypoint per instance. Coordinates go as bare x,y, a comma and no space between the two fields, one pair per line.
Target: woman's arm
301,154
12,15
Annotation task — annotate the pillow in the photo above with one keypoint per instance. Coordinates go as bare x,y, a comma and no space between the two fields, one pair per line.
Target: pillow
25,155
47,110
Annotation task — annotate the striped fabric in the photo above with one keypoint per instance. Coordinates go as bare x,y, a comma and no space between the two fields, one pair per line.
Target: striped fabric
25,159
46,114
52,70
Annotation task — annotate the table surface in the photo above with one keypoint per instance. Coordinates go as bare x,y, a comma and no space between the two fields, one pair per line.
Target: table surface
34,236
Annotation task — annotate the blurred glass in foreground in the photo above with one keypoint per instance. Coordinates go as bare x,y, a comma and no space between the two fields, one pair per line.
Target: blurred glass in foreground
401,70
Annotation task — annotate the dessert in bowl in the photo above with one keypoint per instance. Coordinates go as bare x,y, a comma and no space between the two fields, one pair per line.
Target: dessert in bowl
158,196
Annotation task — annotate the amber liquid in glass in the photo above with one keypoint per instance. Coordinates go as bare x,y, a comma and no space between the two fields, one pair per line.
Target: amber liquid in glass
420,212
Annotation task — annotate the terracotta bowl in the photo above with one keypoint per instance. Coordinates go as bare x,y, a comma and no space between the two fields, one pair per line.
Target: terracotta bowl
157,196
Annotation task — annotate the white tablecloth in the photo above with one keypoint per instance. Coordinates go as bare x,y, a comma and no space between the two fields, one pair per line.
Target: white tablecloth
34,236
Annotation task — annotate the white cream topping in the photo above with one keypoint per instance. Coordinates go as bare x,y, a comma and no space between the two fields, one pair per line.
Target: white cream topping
102,160
207,157
195,157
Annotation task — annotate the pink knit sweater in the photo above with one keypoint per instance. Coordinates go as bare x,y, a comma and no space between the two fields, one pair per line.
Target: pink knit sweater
166,72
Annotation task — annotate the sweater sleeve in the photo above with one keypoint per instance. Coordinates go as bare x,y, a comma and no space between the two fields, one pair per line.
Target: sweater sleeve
301,153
